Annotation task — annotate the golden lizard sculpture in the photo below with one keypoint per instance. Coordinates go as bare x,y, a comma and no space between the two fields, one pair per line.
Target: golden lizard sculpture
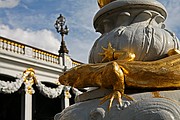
118,74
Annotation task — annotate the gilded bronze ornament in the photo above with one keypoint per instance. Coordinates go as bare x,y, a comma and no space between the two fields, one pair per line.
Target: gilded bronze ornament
29,79
102,3
118,74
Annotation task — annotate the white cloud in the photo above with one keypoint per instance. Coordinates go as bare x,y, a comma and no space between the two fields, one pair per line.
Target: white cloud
9,3
46,40
83,16
79,18
79,50
173,18
43,39
82,34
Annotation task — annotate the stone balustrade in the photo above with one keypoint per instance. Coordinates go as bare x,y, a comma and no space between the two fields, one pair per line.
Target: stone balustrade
35,53
45,56
75,64
11,46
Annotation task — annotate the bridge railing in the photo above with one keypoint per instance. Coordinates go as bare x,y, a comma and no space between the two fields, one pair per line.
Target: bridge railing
12,46
75,63
20,48
45,56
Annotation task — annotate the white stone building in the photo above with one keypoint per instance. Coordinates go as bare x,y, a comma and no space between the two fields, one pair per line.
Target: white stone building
22,99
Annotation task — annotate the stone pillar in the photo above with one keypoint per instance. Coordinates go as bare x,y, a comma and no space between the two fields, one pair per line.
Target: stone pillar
28,106
65,99
133,26
67,96
145,106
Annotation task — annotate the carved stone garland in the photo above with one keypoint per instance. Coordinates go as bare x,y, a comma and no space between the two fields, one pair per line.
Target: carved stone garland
28,78
10,87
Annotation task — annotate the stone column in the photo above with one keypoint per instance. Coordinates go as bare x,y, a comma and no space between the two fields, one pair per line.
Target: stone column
67,95
162,105
133,26
28,106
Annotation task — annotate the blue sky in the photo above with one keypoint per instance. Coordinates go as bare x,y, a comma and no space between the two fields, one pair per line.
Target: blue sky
32,22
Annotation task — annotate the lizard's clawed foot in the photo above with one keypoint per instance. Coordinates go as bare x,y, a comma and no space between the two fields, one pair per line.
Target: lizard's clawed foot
114,95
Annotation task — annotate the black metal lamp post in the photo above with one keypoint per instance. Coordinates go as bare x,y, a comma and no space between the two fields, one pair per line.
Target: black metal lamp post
59,25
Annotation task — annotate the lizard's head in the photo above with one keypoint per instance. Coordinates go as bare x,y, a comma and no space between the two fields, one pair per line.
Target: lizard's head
68,78
64,79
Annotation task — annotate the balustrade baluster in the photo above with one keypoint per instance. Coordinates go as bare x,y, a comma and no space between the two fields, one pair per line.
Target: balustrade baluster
45,56
50,58
22,49
19,49
39,55
42,55
15,47
11,46
5,44
53,60
57,60
8,47
1,43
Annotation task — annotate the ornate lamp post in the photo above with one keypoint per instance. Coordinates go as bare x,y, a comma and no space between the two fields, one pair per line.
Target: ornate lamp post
59,25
